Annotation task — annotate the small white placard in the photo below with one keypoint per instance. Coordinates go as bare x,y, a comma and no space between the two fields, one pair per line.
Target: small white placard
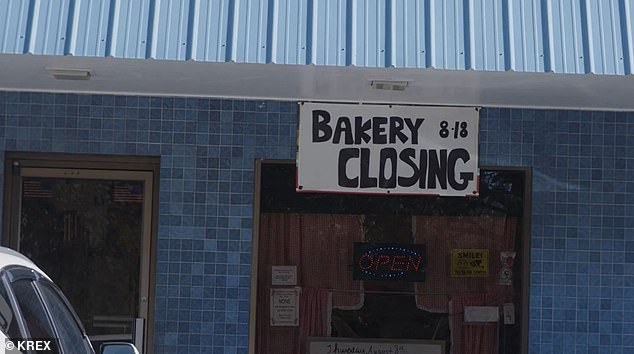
374,346
285,307
509,314
284,275
481,314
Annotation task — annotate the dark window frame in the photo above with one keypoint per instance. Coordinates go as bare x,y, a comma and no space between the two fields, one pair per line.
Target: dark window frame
524,257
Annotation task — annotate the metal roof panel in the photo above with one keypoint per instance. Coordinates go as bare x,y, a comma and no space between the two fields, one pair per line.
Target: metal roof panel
249,32
288,32
169,26
89,32
407,34
128,27
48,30
562,36
330,29
13,25
209,30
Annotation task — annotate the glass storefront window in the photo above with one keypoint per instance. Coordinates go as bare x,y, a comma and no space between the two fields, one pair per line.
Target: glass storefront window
396,268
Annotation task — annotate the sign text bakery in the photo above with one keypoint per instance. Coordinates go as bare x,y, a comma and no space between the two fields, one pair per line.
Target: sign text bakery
388,149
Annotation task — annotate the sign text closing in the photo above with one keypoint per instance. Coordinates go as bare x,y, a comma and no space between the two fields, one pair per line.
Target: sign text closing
383,149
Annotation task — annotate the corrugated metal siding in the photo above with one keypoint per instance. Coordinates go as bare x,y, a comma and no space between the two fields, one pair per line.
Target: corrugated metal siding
562,36
128,28
249,32
89,30
627,28
329,31
605,36
13,23
49,27
525,36
169,29
209,30
408,34
565,27
486,45
289,21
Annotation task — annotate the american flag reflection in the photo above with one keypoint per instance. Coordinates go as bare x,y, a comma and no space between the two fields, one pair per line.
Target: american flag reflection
127,192
37,189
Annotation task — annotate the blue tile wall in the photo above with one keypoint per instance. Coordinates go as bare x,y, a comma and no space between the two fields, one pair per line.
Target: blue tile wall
582,245
207,149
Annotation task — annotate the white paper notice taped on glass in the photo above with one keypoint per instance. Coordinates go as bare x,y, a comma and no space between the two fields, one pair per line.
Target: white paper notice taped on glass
331,345
285,307
481,314
284,275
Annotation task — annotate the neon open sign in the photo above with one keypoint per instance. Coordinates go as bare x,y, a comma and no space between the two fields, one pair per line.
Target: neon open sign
389,261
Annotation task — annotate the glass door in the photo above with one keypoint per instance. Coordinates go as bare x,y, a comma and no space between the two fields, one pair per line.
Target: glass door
89,230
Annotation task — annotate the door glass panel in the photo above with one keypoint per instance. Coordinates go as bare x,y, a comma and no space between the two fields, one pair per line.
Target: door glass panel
86,235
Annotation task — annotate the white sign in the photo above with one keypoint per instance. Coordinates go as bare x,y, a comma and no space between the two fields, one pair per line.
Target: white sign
373,346
284,275
285,307
481,314
380,149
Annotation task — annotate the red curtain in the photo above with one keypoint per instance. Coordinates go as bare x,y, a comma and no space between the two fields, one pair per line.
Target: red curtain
314,315
473,338
327,246
320,245
442,234
442,293
278,245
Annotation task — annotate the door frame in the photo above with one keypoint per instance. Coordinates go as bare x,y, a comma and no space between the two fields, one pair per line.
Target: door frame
109,164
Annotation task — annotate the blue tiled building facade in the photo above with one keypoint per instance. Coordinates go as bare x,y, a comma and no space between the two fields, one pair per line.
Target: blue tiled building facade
582,245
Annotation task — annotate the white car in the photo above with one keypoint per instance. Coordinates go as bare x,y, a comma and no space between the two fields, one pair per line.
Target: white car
35,316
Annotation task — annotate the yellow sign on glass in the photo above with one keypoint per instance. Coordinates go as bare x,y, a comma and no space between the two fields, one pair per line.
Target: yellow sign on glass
467,263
